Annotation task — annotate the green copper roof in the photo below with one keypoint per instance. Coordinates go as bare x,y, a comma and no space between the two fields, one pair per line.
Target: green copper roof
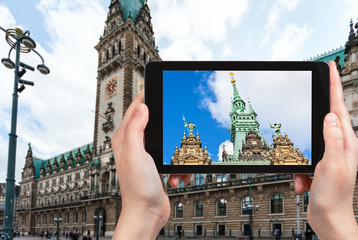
38,161
331,55
131,7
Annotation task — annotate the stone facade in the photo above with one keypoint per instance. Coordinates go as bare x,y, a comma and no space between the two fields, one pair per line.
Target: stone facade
190,152
349,76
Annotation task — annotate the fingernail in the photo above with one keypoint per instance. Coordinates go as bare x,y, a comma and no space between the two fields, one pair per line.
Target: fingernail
138,110
331,119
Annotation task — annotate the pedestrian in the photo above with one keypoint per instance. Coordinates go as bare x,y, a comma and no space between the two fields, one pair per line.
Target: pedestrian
66,233
50,234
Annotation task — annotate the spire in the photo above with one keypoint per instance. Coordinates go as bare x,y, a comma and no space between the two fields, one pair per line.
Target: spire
236,93
351,32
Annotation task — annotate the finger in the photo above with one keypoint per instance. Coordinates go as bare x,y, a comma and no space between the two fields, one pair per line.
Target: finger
333,138
302,183
174,180
337,102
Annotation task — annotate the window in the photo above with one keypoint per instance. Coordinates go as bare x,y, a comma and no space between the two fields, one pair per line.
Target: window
45,219
86,174
199,179
305,200
198,211
138,51
38,220
245,201
276,203
78,176
113,51
61,180
69,178
54,182
23,220
75,217
221,178
221,207
67,218
179,210
107,55
51,218
83,216
119,46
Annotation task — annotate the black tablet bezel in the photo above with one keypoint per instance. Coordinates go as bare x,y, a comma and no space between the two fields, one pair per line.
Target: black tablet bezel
154,100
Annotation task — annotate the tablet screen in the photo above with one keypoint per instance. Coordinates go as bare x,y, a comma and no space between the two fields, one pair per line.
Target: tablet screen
237,117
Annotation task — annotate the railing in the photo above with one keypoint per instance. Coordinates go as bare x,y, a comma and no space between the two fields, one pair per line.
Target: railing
100,195
233,182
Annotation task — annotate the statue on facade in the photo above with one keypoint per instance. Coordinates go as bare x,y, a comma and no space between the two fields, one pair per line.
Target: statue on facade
190,126
276,127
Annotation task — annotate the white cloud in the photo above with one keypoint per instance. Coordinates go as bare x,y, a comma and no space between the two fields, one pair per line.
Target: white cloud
277,97
290,42
279,8
55,115
187,28
229,148
351,9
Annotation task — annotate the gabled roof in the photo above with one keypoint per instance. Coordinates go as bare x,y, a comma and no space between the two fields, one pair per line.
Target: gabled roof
331,55
38,162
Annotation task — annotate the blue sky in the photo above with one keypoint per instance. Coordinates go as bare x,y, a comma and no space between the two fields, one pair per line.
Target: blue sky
204,98
55,115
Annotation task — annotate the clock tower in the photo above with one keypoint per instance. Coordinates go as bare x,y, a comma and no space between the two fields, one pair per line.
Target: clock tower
124,48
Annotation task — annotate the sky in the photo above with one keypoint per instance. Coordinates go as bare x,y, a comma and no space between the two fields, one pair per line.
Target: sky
56,114
204,98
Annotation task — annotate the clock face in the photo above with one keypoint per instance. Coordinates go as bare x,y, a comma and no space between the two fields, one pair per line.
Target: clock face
111,87
254,142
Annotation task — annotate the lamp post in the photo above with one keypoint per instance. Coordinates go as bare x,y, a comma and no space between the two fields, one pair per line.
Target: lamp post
169,222
97,219
21,42
298,235
251,209
58,220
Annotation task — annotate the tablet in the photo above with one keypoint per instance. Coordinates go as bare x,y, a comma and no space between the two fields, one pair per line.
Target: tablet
236,117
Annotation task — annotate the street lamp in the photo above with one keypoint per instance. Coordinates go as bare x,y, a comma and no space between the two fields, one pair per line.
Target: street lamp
97,219
214,224
58,221
21,42
251,209
169,222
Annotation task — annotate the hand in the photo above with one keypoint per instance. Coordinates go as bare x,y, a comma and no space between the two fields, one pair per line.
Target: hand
145,203
332,188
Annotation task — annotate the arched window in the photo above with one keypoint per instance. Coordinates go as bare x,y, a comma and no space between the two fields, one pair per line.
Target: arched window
113,51
39,220
45,219
198,209
67,218
138,51
305,200
178,210
119,46
276,203
244,203
107,57
221,207
51,219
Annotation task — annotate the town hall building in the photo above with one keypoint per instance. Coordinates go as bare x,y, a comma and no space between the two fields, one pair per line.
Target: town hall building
79,189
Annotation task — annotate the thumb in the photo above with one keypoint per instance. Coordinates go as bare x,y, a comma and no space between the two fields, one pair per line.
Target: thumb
134,132
333,137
